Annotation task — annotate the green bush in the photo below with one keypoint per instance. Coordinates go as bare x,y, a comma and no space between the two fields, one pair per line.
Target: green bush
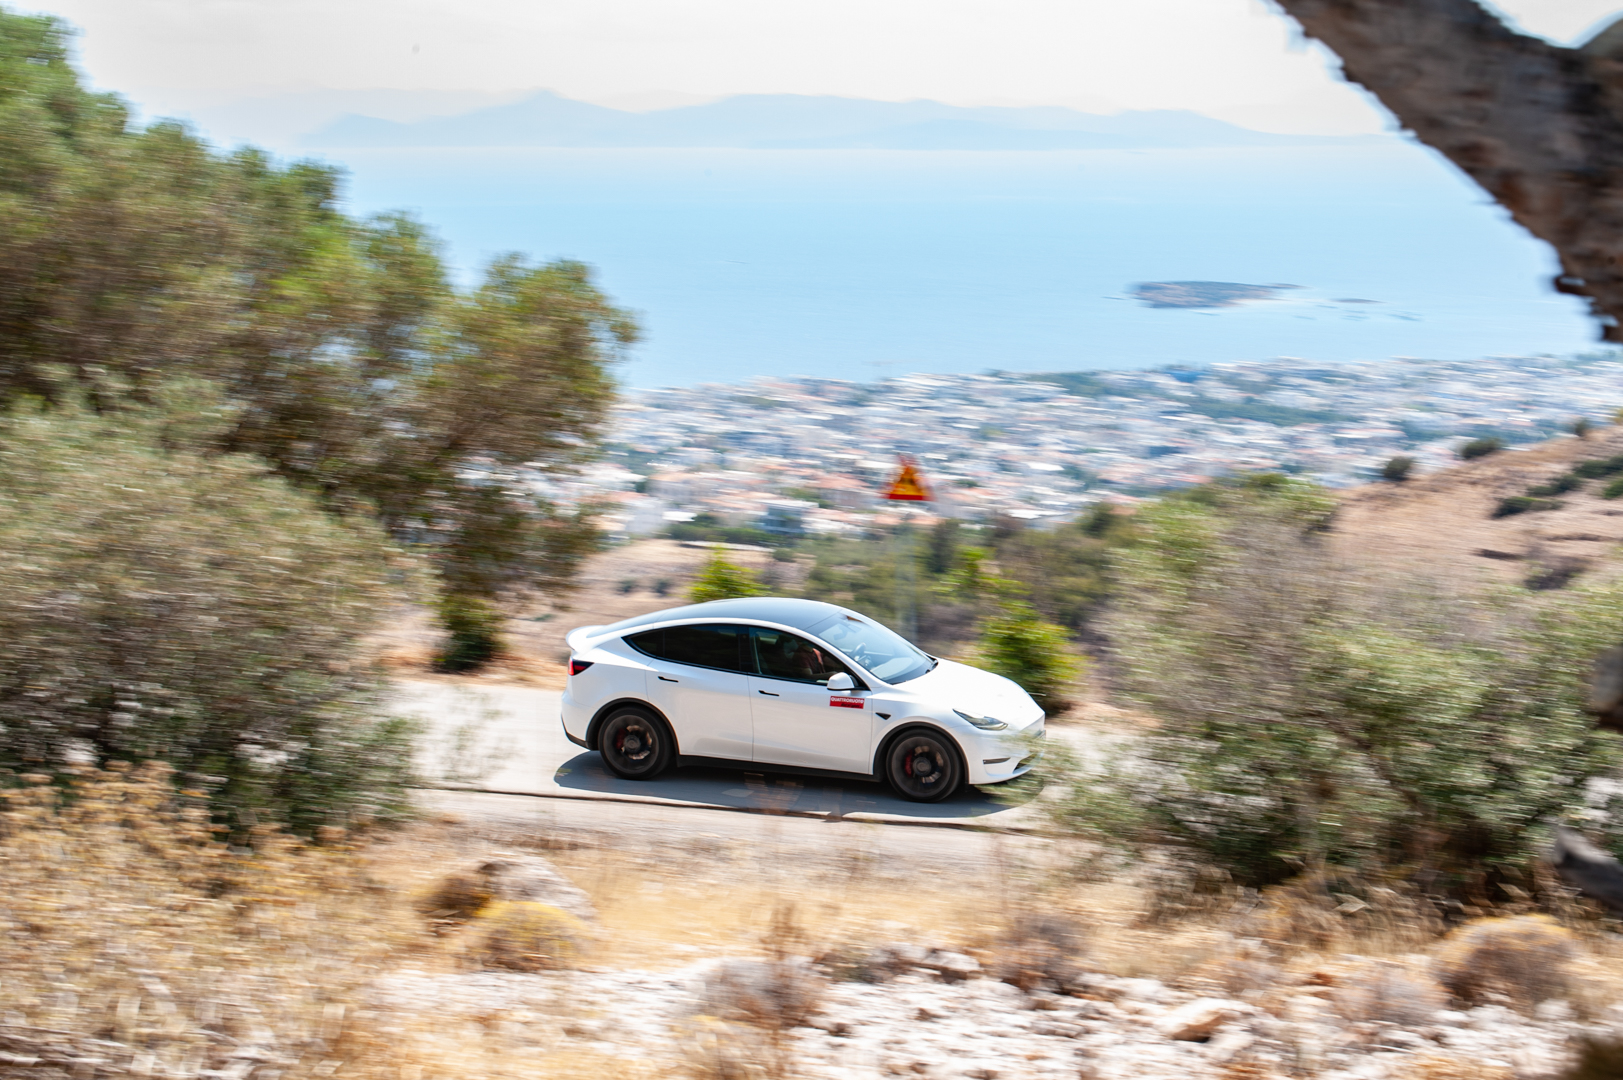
722,579
473,628
195,610
1522,504
1613,490
1309,718
1598,467
1018,644
1398,469
1559,486
1477,448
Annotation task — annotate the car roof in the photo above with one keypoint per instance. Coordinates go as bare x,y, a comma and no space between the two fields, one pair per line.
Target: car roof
783,610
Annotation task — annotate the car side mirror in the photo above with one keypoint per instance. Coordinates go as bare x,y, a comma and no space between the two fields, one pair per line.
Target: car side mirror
840,681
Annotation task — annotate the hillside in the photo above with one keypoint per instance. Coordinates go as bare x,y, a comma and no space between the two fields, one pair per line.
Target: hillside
804,122
1442,523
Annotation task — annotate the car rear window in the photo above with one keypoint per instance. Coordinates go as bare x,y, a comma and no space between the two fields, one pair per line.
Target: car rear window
711,645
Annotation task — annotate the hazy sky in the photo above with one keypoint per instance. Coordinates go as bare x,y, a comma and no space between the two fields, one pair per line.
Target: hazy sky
1234,59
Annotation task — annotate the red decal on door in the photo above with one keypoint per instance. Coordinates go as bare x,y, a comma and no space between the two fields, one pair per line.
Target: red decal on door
846,702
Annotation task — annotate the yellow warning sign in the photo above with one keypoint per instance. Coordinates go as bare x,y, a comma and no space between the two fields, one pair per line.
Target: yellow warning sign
908,486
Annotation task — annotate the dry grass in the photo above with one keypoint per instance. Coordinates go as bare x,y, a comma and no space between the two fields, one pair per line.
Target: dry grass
130,936
154,950
1453,1067
1440,524
134,943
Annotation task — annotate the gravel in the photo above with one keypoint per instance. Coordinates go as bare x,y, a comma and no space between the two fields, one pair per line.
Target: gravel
955,1023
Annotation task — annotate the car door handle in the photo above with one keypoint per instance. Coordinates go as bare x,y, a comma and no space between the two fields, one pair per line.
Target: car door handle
768,693
664,679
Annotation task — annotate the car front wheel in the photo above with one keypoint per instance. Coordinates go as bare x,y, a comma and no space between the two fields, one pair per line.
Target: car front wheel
635,744
923,767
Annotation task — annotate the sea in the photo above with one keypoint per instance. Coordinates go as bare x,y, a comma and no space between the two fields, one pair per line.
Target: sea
861,264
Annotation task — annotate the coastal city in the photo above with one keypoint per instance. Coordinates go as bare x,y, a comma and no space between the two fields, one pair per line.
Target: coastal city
812,456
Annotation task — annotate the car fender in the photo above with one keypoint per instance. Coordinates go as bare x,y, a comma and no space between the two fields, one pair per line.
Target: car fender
599,716
915,723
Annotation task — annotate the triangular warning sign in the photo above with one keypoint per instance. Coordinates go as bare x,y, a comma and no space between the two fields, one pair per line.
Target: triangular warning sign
908,486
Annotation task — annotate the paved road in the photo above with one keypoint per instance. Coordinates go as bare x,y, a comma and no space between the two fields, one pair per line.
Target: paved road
508,739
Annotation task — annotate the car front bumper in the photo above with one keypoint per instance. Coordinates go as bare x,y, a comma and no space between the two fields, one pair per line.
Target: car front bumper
999,758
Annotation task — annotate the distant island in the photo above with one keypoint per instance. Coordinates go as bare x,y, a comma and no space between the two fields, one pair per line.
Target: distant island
1207,294
804,122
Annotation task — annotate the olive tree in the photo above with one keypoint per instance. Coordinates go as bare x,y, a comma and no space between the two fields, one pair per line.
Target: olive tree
130,255
160,603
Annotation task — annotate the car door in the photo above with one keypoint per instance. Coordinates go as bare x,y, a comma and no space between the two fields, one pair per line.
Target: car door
697,679
798,721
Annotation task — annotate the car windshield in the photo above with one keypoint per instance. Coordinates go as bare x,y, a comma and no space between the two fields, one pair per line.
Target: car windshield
884,652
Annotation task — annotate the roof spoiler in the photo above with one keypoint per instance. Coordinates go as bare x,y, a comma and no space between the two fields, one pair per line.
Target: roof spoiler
578,635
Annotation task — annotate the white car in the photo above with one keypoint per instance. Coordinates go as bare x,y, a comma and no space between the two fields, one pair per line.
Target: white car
796,686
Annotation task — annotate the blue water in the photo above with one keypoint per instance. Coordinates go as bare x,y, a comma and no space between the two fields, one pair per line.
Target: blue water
859,264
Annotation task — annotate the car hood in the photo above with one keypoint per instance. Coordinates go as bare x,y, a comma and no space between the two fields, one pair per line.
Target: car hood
977,692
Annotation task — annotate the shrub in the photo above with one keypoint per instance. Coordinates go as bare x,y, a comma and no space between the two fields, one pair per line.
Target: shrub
776,994
472,632
1398,469
1039,950
1312,719
522,935
458,897
1018,644
1559,486
165,605
1613,490
1525,959
1388,993
1477,448
723,579
1581,427
1556,573
1598,467
1522,504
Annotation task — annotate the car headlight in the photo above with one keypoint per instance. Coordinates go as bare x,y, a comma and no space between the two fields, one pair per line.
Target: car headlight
985,723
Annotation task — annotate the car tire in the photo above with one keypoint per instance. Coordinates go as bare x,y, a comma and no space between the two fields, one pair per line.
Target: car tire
635,744
923,766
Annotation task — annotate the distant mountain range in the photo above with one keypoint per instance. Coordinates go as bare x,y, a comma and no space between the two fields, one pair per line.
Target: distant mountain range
789,121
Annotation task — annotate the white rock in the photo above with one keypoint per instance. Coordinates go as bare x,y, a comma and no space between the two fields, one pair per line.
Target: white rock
534,879
1230,1040
1140,989
952,966
1200,1018
1554,1010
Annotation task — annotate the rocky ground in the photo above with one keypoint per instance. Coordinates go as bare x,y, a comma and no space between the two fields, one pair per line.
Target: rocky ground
921,1023
766,955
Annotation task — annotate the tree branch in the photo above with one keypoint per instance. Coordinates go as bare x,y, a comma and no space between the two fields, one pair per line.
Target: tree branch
1537,125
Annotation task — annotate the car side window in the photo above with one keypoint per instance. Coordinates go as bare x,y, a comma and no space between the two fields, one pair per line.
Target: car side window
714,645
782,655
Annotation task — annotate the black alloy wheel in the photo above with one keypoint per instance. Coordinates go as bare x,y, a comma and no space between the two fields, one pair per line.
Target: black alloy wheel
923,766
635,744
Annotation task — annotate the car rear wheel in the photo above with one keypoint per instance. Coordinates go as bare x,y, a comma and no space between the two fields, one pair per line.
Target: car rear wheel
635,744
923,766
